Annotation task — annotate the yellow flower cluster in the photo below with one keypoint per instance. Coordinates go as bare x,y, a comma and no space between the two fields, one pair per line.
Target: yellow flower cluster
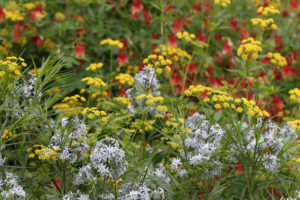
270,10
138,125
295,124
7,134
220,100
150,99
123,100
172,52
157,61
60,16
94,112
295,95
111,42
48,44
264,23
74,99
70,105
132,69
12,66
125,79
94,66
174,123
94,82
277,59
249,49
186,36
29,6
223,3
43,153
13,12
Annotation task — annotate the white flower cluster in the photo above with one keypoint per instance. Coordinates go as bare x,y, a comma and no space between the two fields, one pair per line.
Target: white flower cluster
69,138
204,140
75,196
145,82
291,198
9,187
23,96
159,172
140,191
268,139
177,166
2,159
107,160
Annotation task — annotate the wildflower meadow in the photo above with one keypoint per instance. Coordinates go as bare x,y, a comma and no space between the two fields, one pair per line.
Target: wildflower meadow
149,99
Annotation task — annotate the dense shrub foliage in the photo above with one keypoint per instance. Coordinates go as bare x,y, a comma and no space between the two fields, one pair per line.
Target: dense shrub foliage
140,100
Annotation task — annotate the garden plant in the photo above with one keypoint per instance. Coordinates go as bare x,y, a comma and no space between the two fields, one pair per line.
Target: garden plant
150,99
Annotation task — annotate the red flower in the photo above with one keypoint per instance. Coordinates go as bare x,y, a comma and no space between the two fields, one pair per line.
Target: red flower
147,16
201,37
172,41
227,47
239,167
275,193
285,13
36,13
80,31
57,182
17,30
37,41
136,7
2,15
244,33
197,7
169,7
288,71
79,50
278,104
233,24
278,41
293,4
177,27
122,58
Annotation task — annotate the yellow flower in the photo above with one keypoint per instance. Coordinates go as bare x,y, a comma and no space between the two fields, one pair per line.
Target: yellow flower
223,3
125,79
94,66
111,42
249,48
94,82
295,95
277,59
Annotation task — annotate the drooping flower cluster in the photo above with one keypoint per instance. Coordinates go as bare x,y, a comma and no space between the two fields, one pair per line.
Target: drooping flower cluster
249,48
69,139
203,142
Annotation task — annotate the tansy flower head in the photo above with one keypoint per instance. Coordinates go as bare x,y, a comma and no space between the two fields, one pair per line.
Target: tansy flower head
111,42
